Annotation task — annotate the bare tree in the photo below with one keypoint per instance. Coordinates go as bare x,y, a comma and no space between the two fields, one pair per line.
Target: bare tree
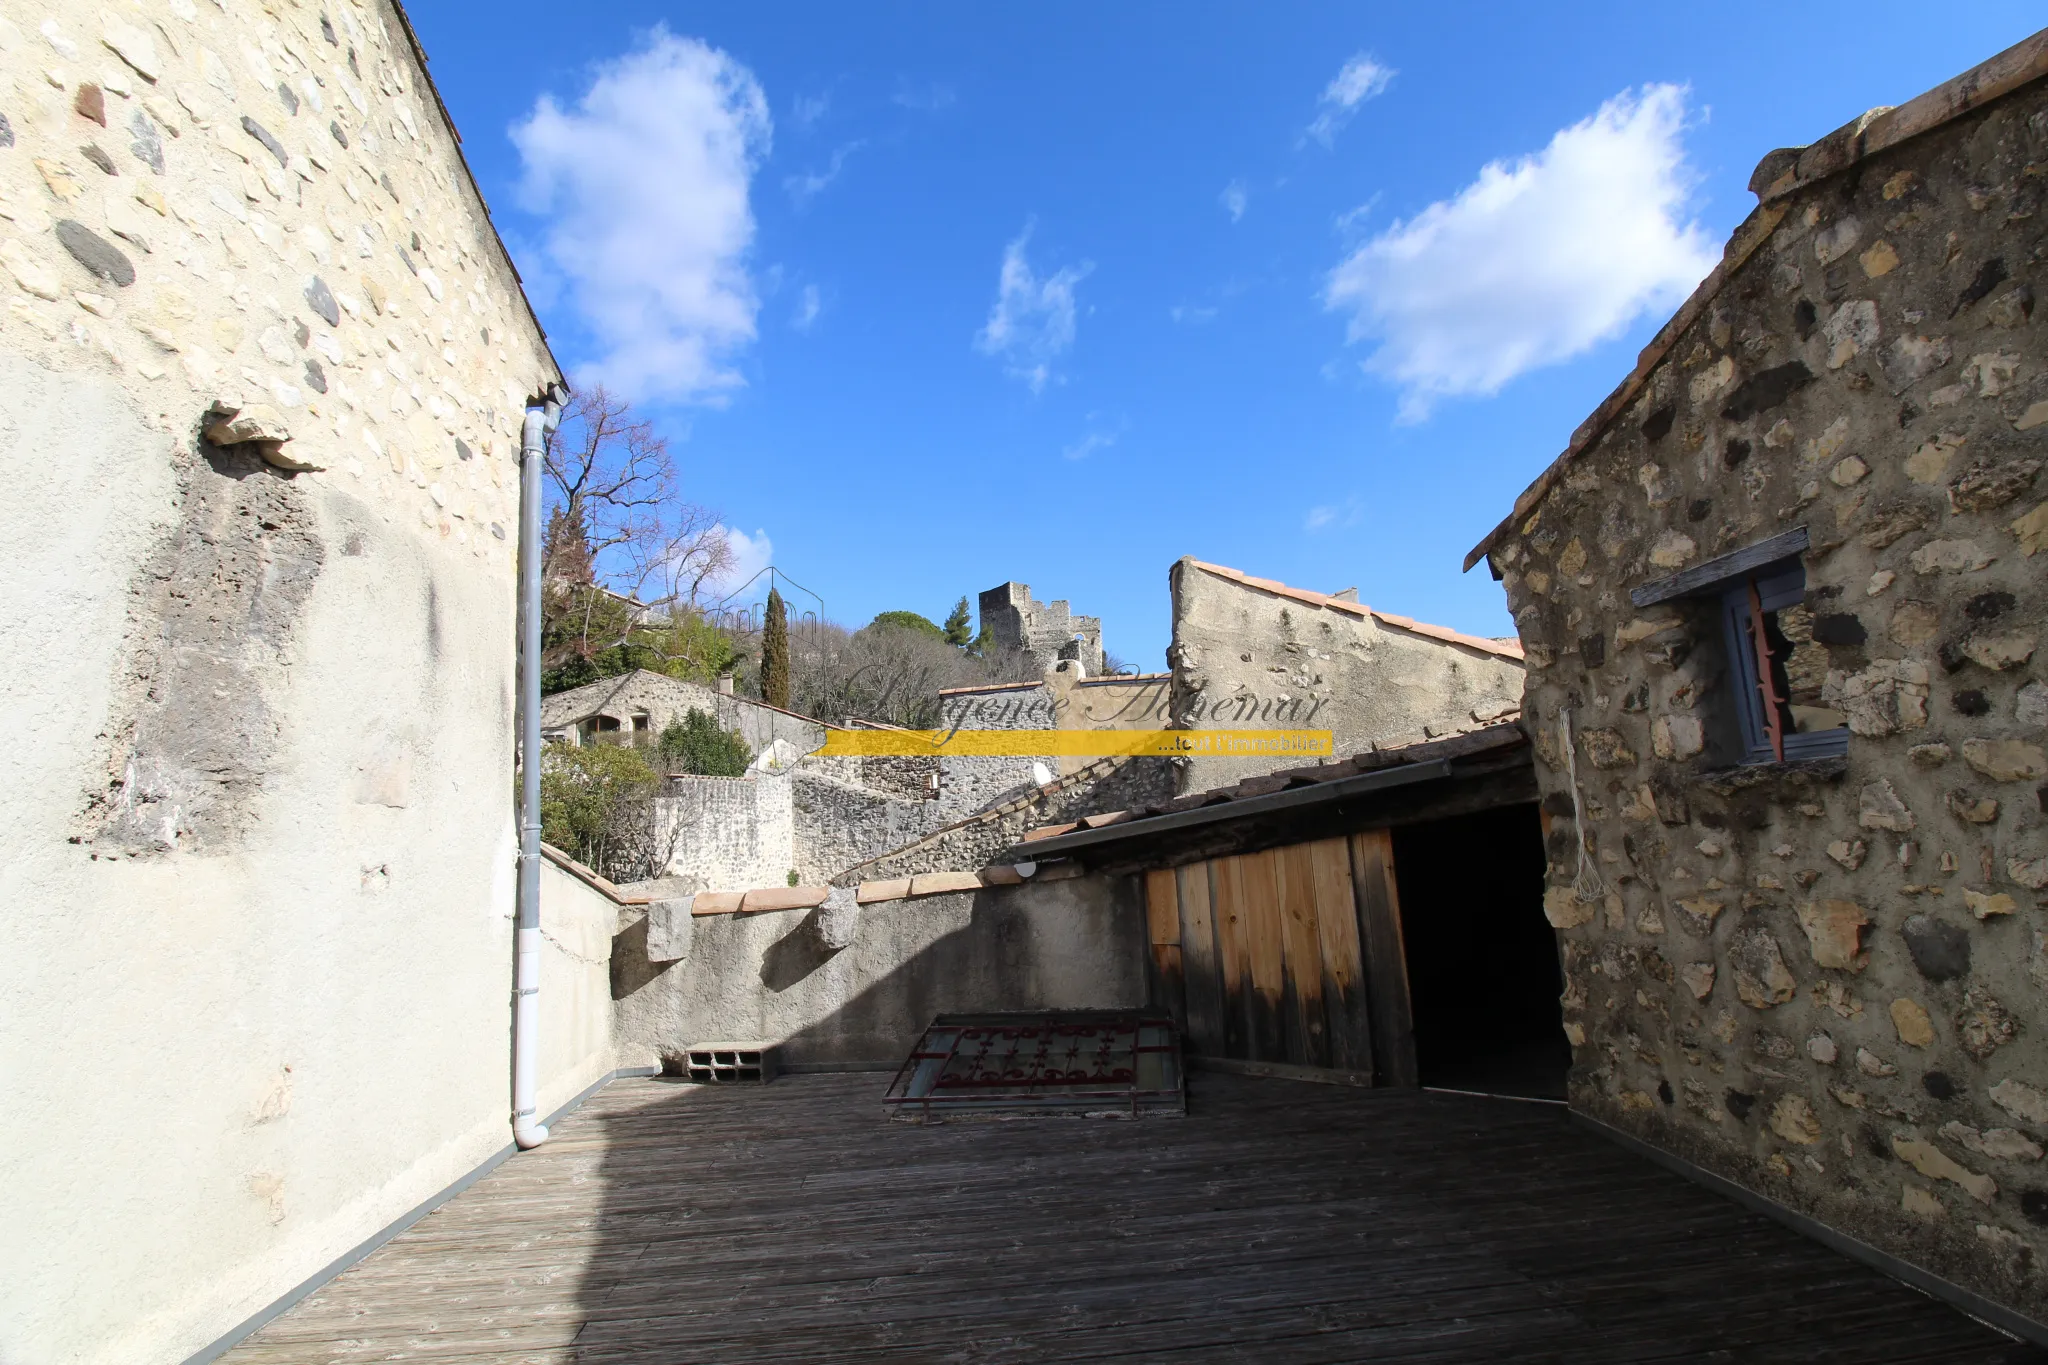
622,545
885,672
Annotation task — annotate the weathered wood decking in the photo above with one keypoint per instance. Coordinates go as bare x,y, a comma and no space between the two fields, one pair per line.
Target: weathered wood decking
1278,1222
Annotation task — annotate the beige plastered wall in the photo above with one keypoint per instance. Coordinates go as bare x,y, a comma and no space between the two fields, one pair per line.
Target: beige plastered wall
257,890
1247,658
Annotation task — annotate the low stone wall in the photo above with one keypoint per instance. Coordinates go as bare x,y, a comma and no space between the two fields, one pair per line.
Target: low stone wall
1106,785
1074,944
840,823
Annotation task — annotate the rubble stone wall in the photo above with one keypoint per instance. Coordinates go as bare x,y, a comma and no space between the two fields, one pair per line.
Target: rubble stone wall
734,833
1825,980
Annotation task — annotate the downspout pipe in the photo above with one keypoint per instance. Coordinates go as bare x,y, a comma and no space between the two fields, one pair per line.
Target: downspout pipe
527,1130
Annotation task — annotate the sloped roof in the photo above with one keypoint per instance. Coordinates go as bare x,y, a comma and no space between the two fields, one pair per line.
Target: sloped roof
1428,759
580,703
1779,175
1506,649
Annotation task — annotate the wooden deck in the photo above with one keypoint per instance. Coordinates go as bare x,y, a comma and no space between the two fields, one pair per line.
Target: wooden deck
1278,1222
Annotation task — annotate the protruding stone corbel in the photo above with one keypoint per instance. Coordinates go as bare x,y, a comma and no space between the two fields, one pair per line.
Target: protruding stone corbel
256,426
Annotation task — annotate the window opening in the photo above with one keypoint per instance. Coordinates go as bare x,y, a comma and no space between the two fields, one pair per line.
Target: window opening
1778,721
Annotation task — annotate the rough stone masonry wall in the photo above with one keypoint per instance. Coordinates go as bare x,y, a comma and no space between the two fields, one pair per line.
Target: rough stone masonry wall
1826,981
840,821
259,867
1107,784
734,833
258,199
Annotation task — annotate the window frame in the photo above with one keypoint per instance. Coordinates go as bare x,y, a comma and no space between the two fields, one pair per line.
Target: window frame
1745,585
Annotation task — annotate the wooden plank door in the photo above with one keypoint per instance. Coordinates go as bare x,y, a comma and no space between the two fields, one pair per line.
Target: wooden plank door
1162,924
1266,956
1201,968
1292,955
1386,962
1307,1031
1346,1006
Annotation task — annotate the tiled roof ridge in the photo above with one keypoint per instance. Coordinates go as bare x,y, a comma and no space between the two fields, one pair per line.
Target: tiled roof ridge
1778,175
1486,644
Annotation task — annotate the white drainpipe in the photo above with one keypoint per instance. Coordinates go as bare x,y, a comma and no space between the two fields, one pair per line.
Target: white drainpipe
527,1130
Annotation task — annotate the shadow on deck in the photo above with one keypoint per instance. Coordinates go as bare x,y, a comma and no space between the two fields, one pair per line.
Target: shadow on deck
1279,1221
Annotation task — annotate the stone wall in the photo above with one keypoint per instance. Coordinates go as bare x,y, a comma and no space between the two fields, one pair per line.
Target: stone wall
259,887
1824,980
733,833
840,821
1107,784
1044,631
1251,654
1075,944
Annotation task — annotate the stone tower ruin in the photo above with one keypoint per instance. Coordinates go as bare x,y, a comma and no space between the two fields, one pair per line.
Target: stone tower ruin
1044,631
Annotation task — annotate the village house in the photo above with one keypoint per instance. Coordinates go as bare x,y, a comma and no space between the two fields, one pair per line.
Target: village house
1782,612
634,708
314,1054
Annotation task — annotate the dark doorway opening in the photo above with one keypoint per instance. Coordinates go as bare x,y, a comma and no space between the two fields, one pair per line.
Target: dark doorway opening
1483,973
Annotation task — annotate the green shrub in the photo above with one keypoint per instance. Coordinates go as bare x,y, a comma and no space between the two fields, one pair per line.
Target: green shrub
597,805
695,744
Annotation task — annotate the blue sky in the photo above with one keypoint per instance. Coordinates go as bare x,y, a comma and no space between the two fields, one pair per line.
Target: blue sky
931,297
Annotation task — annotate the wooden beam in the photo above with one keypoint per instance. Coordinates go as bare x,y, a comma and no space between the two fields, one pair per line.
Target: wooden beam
1721,568
1386,961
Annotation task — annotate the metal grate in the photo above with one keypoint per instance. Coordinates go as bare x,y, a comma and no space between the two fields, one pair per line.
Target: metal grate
729,1063
1097,1063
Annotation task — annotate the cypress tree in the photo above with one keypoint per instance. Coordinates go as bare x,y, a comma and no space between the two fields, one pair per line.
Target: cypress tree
958,631
775,653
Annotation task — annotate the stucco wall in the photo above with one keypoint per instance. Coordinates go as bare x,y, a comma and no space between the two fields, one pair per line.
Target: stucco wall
1073,944
257,944
1825,981
1247,658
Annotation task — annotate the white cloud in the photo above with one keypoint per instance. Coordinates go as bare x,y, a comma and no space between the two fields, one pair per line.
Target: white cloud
803,188
750,555
1534,262
645,186
808,306
1233,199
1191,315
1360,79
1032,322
